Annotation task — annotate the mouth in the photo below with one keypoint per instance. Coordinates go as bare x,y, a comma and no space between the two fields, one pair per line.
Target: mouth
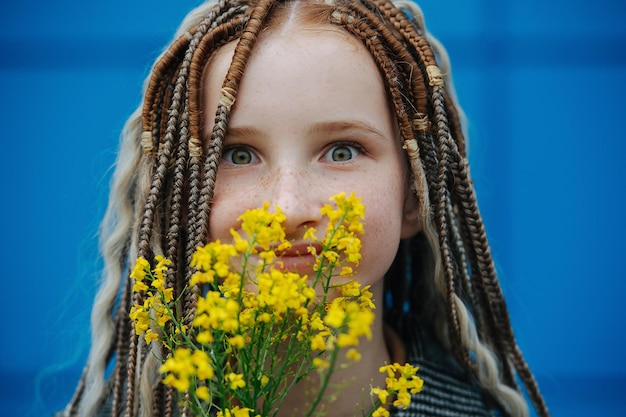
299,258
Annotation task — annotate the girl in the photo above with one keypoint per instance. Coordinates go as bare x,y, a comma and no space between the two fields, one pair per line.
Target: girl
291,102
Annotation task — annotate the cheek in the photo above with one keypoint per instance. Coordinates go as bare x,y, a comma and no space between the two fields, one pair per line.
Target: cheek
230,200
383,223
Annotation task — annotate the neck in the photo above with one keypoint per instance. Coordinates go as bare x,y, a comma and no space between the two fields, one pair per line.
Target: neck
349,387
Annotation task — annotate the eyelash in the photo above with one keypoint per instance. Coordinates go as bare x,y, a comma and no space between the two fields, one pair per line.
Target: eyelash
353,145
228,151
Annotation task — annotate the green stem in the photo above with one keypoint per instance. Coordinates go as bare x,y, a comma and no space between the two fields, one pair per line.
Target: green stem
325,382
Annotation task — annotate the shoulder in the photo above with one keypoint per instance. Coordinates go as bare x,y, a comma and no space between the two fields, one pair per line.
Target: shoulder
448,390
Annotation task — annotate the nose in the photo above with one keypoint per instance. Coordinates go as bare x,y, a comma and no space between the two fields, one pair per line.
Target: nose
294,191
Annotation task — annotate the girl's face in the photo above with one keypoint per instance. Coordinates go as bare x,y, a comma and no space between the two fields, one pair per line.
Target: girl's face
311,120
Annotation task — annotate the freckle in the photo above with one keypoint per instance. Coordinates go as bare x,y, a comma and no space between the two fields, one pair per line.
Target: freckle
265,181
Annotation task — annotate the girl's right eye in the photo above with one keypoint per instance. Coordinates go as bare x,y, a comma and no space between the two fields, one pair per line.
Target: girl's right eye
239,155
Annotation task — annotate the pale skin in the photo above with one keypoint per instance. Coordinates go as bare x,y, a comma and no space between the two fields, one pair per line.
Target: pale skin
312,120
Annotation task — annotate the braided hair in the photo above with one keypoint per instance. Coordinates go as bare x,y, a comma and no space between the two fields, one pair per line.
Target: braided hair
164,181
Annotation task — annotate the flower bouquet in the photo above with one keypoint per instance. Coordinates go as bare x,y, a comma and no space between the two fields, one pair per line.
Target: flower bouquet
261,328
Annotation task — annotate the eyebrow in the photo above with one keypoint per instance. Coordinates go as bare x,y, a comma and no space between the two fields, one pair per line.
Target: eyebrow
244,132
345,125
324,128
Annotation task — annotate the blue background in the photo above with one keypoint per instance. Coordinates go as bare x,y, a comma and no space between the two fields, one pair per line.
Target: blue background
543,83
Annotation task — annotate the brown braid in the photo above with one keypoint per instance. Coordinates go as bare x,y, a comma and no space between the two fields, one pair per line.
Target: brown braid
370,38
180,119
169,402
201,200
222,34
453,127
229,91
159,180
230,25
121,349
161,71
166,144
460,253
493,297
496,305
73,404
441,219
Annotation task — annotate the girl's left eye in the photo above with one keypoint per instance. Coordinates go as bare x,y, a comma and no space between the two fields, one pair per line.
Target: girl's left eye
341,153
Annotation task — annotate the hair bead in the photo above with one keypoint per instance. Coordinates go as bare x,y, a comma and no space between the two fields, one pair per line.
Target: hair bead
195,147
227,97
435,78
146,142
421,122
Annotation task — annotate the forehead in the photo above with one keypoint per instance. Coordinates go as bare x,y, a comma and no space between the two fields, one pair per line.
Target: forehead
327,41
320,62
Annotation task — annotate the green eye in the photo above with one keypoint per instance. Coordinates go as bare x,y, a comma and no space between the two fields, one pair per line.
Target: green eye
239,156
341,153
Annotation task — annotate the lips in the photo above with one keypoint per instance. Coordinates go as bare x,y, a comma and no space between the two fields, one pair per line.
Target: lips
298,258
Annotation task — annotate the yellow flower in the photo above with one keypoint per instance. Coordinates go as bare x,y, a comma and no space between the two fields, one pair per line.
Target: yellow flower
381,412
235,381
340,241
235,412
331,256
205,337
181,329
318,343
360,323
214,256
345,340
179,369
260,305
265,227
309,234
216,312
350,289
203,393
316,323
149,336
320,363
404,385
241,244
237,341
202,362
202,278
139,286
346,271
382,394
142,266
159,284
353,208
353,354
265,317
365,300
168,294
335,316
160,267
181,385
140,316
403,400
268,256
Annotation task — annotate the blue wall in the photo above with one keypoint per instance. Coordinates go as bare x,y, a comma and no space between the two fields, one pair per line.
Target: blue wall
541,81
